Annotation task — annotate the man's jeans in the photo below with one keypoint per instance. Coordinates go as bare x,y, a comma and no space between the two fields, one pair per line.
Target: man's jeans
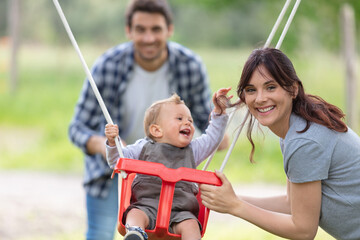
102,214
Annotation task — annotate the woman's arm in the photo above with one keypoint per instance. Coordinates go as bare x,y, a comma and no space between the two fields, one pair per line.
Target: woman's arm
301,223
279,203
274,203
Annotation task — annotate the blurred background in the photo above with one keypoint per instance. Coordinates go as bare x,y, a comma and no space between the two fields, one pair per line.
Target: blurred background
41,78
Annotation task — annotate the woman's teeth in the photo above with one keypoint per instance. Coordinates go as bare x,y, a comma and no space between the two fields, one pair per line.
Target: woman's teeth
265,109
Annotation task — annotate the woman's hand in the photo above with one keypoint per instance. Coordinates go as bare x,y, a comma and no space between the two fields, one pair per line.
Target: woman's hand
111,132
220,198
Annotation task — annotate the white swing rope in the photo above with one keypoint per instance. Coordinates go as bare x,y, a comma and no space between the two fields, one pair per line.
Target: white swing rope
206,165
90,78
234,142
277,23
272,33
287,25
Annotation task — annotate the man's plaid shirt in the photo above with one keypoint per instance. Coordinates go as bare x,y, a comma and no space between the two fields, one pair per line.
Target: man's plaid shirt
111,72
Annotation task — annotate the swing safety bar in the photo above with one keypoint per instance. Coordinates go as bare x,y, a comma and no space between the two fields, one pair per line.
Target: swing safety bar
169,178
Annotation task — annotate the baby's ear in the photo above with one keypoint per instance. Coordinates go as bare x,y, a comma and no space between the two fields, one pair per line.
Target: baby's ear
155,130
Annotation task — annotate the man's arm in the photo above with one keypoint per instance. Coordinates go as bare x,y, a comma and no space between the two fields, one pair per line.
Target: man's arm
96,144
86,121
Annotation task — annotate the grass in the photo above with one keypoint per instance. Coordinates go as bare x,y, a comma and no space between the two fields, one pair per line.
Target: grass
235,230
240,229
50,81
34,120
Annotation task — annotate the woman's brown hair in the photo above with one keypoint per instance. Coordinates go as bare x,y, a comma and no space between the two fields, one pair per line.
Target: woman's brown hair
310,107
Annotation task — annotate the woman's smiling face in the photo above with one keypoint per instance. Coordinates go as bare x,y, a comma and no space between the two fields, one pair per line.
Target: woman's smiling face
268,102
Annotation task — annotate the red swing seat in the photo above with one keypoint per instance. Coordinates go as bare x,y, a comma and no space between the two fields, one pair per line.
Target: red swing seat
169,178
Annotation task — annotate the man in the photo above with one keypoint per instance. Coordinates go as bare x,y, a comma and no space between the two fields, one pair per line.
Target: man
131,76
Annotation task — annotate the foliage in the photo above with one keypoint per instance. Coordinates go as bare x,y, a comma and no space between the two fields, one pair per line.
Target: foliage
236,229
226,23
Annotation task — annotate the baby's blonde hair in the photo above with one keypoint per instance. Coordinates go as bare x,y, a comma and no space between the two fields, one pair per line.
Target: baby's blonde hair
153,112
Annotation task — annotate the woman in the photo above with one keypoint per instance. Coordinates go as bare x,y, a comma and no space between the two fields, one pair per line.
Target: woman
321,156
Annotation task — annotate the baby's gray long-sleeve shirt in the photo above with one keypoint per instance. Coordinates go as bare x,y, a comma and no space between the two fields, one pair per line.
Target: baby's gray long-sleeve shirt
202,146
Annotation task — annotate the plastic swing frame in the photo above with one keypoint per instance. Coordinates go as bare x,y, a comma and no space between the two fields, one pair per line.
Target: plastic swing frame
169,178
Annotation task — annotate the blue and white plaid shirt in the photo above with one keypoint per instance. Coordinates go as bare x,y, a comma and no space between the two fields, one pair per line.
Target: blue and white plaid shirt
111,72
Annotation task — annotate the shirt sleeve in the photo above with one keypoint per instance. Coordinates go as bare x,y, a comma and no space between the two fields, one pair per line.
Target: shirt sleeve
306,161
207,143
200,94
130,151
88,115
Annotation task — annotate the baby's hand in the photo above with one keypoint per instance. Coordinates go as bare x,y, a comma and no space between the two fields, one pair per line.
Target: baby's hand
221,101
111,132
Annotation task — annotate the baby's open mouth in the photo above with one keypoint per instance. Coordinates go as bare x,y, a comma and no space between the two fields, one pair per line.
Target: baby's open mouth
185,132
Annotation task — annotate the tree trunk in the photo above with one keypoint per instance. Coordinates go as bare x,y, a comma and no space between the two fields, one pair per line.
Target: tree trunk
13,28
349,53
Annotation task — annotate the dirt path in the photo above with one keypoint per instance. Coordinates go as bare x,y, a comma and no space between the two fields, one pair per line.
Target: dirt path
44,205
39,204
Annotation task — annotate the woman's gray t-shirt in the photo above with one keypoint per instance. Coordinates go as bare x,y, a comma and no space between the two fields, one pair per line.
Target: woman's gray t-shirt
321,154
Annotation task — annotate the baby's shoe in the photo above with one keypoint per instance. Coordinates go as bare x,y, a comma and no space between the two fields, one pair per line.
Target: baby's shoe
135,233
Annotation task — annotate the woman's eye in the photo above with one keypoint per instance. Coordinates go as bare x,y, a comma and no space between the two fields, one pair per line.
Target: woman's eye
249,90
179,118
272,87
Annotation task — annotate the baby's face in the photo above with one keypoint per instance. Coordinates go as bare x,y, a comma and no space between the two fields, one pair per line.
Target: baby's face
177,124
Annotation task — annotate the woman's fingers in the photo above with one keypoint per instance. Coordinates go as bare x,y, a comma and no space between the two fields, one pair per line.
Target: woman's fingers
219,198
221,176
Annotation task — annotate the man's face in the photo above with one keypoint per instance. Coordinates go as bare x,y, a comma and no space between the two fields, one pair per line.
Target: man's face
149,32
